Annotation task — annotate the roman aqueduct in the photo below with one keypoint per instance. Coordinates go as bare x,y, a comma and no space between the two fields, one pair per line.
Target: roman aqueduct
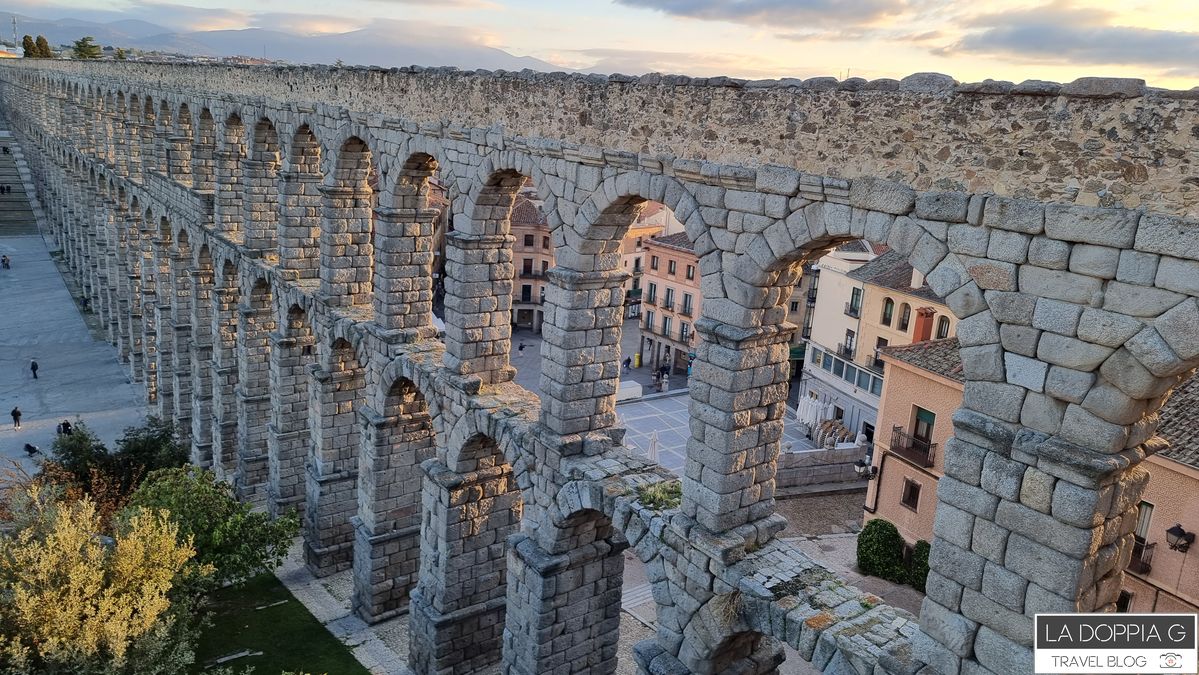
257,241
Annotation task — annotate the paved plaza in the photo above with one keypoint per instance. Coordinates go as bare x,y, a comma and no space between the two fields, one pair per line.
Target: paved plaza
79,376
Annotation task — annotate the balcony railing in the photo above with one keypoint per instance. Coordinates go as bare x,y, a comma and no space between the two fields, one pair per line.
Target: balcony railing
686,310
811,295
669,304
651,299
852,310
875,363
1142,556
846,350
532,274
911,448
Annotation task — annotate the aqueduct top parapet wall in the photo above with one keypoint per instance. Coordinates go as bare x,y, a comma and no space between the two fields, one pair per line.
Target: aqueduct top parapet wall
1095,141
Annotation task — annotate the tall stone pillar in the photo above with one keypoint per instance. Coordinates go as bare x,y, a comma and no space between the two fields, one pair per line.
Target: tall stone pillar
260,207
149,309
202,366
253,394
300,223
288,437
457,608
346,247
580,352
403,263
331,483
136,331
387,528
165,335
181,321
478,306
227,207
224,384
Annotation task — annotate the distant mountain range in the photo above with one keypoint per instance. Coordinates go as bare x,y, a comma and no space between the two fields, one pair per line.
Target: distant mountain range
388,44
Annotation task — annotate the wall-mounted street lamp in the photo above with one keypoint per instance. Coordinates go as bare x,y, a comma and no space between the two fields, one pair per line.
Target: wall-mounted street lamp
1179,539
864,470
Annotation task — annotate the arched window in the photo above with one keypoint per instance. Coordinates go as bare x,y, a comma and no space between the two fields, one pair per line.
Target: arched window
888,311
942,328
905,316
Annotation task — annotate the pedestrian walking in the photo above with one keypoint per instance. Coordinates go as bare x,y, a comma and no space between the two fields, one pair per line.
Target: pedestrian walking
33,368
65,429
16,418
628,364
4,262
520,349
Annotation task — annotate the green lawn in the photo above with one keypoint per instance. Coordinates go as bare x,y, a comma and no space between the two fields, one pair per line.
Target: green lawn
289,638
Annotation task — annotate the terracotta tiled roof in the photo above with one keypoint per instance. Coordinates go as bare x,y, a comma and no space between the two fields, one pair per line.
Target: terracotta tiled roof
676,240
525,212
1180,423
891,270
936,356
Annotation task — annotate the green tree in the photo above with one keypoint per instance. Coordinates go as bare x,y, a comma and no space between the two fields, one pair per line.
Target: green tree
120,54
236,541
80,603
30,47
85,48
43,48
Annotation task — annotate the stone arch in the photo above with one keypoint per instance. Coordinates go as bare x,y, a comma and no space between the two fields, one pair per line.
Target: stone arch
460,598
146,124
260,199
347,226
180,142
404,236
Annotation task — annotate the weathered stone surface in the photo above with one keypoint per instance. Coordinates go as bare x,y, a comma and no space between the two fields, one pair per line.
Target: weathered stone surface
1059,285
1013,308
1137,267
1105,227
1036,492
1088,430
1068,384
1174,274
881,195
980,329
1043,413
1025,372
947,206
1095,261
1071,353
983,363
997,399
1049,253
1017,215
1178,237
1140,301
1107,328
1057,316
1008,246
1179,327
1017,339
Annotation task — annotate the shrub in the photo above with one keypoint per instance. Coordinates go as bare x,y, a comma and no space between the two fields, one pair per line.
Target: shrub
918,566
880,551
81,603
107,476
661,496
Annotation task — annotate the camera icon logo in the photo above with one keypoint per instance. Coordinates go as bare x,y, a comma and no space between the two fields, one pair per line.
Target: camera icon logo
1171,660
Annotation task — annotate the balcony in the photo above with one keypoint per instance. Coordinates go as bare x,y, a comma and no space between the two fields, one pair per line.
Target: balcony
913,449
651,299
1142,556
875,363
532,274
686,310
853,310
846,350
669,304
812,296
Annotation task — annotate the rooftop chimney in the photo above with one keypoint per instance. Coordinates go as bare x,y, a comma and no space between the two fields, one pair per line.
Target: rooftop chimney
917,278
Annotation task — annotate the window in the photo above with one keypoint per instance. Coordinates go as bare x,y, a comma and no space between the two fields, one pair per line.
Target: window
1144,515
526,266
637,265
545,242
669,301
691,271
687,304
529,240
807,325
868,431
666,326
638,242
905,316
649,321
910,497
526,293
794,305
545,265
1124,602
653,262
651,295
850,337
671,267
942,328
855,299
876,386
888,310
684,331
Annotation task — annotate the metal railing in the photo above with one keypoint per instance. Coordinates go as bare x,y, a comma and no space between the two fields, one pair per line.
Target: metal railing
686,310
846,350
1142,556
911,448
811,295
853,310
875,363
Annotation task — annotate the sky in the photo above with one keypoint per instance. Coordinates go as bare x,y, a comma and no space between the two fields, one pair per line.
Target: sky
1059,40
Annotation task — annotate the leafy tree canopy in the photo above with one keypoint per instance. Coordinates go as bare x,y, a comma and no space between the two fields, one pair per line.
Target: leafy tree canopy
85,48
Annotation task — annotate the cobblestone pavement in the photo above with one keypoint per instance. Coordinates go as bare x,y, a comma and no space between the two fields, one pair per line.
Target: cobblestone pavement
838,552
819,514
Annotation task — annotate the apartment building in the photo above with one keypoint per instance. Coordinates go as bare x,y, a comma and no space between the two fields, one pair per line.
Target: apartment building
533,255
670,299
923,389
866,299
